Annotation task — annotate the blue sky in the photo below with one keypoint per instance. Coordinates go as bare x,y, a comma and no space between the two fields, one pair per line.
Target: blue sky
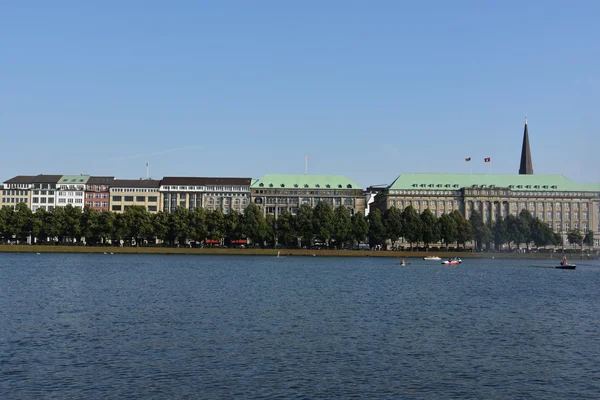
237,88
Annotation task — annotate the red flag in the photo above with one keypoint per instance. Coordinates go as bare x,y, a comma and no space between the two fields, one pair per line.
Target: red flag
488,159
468,159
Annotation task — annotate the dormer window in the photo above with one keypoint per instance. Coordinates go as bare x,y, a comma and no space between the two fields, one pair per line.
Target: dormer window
519,186
527,186
282,185
306,185
261,184
511,186
455,185
447,185
349,186
295,185
554,187
414,185
545,187
339,186
328,186
317,185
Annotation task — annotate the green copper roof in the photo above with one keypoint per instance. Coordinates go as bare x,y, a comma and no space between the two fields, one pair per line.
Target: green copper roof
305,181
513,181
73,179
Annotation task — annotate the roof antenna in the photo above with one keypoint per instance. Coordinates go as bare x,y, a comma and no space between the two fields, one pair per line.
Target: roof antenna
147,171
306,165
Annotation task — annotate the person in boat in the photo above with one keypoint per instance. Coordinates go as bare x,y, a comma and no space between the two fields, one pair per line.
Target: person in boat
402,262
564,261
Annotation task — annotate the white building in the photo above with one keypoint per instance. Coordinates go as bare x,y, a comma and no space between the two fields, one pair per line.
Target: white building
71,190
43,194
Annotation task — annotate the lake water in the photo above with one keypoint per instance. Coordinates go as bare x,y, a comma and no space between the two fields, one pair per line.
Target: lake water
208,327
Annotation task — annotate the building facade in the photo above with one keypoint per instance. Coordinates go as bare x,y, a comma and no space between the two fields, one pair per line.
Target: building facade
17,190
97,192
70,190
275,194
125,193
225,194
43,195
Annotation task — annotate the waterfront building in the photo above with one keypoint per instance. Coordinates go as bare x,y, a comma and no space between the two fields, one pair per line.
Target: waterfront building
43,195
97,192
17,190
125,193
275,194
70,190
563,204
224,194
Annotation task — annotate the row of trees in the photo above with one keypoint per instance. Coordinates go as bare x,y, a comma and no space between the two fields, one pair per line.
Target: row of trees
323,224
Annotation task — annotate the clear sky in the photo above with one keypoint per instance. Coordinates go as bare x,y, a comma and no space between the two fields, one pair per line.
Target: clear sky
367,89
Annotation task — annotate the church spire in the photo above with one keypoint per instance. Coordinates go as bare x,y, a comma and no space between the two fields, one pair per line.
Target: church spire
526,163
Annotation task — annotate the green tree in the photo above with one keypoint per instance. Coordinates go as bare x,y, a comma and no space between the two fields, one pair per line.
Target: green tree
72,222
37,224
215,223
232,226
377,233
137,224
162,225
254,224
575,236
286,229
464,231
21,222
323,221
448,229
5,223
430,228
106,224
526,223
90,225
392,220
360,228
481,232
499,232
304,224
198,230
412,226
342,225
271,231
180,229
588,240
541,233
514,231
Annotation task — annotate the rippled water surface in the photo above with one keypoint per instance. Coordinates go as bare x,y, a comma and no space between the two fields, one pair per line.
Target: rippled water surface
128,326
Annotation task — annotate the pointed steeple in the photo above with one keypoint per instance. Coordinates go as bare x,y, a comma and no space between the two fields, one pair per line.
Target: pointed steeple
526,163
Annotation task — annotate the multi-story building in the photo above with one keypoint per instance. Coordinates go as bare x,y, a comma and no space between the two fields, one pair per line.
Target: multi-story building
43,195
17,190
224,194
97,192
556,200
70,190
278,193
125,193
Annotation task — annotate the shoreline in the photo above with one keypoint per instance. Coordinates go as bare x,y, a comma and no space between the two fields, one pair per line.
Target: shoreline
273,252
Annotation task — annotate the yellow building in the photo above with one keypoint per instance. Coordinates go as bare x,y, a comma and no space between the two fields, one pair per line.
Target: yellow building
125,193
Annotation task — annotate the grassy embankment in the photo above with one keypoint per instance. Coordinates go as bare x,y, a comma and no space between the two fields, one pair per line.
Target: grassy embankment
261,252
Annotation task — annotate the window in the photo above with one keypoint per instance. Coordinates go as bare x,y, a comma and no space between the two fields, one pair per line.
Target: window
104,204
43,200
152,208
117,198
140,199
70,201
549,215
152,199
558,215
116,207
567,215
128,198
35,200
584,215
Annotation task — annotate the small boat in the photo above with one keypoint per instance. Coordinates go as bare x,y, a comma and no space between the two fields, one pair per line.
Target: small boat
450,262
432,258
566,266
